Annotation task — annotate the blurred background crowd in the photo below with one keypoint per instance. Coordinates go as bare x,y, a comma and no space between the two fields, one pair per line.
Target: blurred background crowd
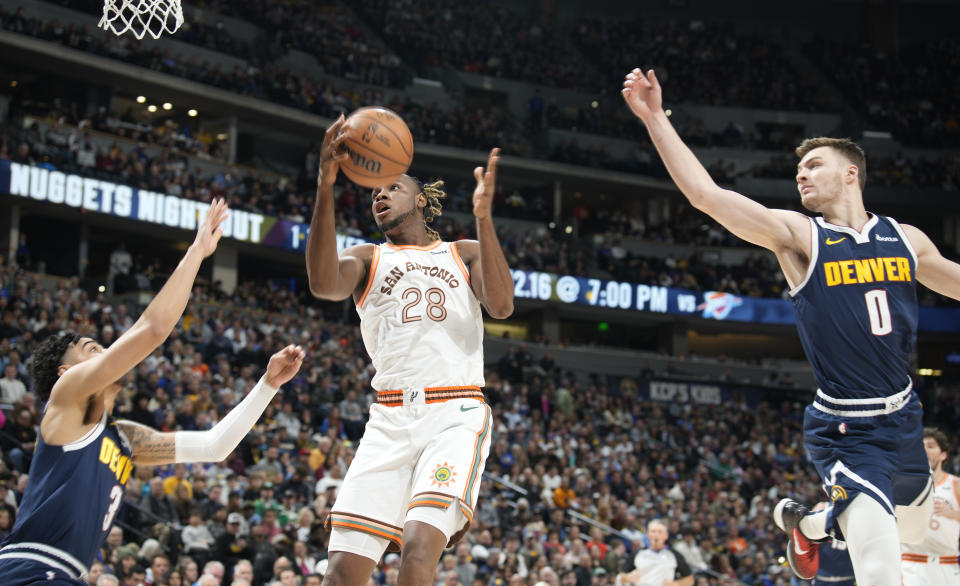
581,460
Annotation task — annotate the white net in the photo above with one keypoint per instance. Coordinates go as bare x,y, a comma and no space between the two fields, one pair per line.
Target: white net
141,17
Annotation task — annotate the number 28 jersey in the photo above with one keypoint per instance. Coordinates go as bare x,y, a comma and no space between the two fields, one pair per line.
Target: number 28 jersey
857,308
73,494
420,320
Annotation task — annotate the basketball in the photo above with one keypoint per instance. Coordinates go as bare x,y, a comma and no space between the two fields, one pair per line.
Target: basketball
379,145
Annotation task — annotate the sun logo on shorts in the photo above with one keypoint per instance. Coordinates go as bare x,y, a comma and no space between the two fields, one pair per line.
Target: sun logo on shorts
443,475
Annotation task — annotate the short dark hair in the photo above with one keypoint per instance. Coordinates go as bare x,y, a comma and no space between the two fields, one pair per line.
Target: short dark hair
938,436
46,361
844,146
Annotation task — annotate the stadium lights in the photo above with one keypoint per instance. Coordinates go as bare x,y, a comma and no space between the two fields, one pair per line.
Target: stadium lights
102,288
568,230
167,106
14,83
191,113
594,104
668,112
141,99
151,108
929,371
222,136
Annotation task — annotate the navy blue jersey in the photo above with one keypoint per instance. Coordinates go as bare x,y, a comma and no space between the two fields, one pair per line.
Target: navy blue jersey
72,496
857,309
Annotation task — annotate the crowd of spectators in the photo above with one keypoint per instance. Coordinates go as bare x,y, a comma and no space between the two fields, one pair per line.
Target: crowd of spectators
326,30
457,126
72,150
939,172
483,128
566,445
258,77
68,147
700,62
479,37
921,112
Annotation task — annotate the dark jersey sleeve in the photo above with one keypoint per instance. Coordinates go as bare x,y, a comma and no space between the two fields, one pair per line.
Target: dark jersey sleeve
629,564
683,568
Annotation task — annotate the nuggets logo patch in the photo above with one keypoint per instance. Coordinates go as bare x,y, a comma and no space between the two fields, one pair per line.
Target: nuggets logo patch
443,475
838,493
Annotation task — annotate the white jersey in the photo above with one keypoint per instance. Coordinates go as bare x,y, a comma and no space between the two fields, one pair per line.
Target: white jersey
943,534
420,320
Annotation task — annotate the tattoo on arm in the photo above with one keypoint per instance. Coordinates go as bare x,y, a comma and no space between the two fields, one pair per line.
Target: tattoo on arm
148,445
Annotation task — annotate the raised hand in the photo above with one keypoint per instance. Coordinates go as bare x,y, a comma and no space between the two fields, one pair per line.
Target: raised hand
486,183
210,230
331,153
283,365
642,93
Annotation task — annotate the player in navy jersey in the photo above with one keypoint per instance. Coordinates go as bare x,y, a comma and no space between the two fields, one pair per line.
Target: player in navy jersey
84,457
852,276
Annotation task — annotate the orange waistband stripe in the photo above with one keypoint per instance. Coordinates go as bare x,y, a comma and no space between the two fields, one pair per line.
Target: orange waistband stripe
431,395
921,558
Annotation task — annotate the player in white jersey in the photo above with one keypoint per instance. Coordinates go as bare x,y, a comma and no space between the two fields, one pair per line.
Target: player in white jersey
933,561
414,481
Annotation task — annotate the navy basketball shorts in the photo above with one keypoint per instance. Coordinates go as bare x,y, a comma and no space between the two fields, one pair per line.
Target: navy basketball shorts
24,572
881,456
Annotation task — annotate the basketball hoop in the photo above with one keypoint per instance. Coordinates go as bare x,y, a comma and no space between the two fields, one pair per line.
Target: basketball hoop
141,17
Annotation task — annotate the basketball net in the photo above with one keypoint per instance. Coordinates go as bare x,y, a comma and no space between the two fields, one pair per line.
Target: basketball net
141,17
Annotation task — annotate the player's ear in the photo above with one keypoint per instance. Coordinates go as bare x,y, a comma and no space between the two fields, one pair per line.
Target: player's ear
421,200
853,174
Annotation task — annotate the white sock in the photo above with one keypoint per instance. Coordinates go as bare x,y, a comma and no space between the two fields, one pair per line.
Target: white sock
814,525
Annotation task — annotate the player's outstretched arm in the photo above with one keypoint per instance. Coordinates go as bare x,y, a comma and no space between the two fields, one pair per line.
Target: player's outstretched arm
155,448
331,276
775,230
933,270
489,273
86,378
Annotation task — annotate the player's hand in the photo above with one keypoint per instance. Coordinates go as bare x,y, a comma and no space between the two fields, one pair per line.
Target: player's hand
331,153
283,365
942,509
486,184
210,230
642,93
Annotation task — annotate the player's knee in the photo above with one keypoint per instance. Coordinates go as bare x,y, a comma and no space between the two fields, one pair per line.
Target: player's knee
418,553
339,574
333,577
874,569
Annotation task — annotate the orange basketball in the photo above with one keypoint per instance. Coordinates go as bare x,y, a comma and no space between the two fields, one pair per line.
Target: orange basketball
379,144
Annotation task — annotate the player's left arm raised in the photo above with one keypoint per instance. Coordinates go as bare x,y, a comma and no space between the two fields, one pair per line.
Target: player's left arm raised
156,448
489,273
933,270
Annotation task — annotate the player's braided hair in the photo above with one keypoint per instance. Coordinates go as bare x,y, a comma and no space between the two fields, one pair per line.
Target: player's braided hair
434,193
47,359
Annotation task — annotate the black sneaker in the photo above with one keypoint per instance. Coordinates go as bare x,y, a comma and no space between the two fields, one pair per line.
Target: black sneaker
803,555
